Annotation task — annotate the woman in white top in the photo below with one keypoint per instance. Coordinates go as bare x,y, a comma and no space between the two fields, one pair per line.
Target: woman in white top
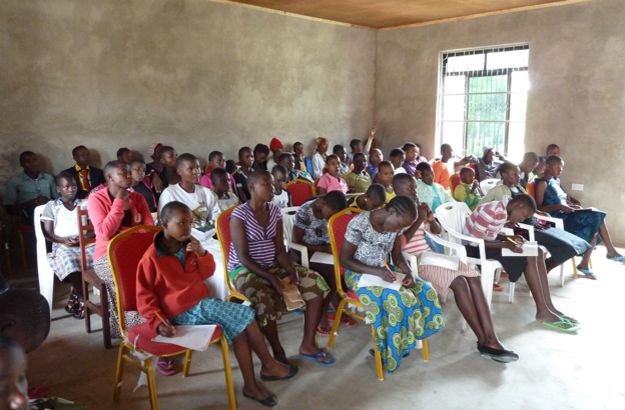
319,158
199,199
60,226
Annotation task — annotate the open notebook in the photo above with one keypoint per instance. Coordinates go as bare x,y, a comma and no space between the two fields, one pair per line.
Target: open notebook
529,249
367,280
192,337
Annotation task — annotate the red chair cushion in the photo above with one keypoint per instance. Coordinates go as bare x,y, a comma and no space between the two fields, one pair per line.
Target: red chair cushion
141,336
300,192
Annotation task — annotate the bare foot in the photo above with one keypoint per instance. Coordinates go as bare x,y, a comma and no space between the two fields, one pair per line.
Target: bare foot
276,368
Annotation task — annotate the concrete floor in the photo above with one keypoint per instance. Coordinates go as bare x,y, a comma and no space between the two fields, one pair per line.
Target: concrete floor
556,371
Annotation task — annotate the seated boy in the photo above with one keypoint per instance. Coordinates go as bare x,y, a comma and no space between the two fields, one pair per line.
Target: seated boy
215,161
143,184
171,291
125,155
468,190
200,199
281,196
358,180
398,157
339,151
286,160
87,177
29,189
375,157
221,189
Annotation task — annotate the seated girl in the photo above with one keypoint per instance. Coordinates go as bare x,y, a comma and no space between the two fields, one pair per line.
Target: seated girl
286,160
246,160
197,197
171,291
215,161
259,267
331,180
112,209
400,317
162,171
587,223
464,281
374,198
143,184
487,166
311,230
221,189
428,191
60,226
468,190
358,179
384,177
561,244
281,196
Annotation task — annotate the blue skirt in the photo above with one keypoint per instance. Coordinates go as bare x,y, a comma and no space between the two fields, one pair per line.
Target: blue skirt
585,223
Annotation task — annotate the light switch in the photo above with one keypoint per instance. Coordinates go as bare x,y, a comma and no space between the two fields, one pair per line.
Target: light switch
577,187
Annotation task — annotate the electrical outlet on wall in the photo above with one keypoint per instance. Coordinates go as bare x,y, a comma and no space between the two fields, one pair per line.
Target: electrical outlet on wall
577,187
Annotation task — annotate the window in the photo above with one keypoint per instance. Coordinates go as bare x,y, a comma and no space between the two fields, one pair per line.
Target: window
483,100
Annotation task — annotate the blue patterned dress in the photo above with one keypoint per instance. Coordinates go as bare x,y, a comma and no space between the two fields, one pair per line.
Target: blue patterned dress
399,318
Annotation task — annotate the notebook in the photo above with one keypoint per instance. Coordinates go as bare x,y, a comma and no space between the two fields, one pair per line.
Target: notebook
367,280
192,337
529,249
292,298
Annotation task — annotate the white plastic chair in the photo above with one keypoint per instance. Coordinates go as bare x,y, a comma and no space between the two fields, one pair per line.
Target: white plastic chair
288,221
44,270
487,184
452,216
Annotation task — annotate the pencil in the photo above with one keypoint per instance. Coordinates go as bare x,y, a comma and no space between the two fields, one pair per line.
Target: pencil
162,319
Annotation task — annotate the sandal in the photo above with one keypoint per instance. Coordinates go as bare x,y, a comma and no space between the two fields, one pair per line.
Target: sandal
292,372
70,307
268,401
587,273
619,258
166,366
569,319
79,310
562,325
317,356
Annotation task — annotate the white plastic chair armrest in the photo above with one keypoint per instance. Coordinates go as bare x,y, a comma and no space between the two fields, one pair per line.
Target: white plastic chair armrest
411,260
529,229
303,252
557,221
459,250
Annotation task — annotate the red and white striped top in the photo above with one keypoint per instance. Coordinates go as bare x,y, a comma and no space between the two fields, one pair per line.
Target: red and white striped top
487,220
417,243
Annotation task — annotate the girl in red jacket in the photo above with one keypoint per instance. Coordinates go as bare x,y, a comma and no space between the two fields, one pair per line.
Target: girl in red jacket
170,285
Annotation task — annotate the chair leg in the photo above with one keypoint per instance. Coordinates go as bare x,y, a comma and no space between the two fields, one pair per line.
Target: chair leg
85,297
511,292
379,370
425,350
574,267
187,363
337,322
561,276
106,323
119,372
149,369
225,352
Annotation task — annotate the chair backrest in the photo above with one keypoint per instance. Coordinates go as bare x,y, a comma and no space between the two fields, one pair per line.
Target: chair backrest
454,181
124,253
222,227
300,191
86,234
488,184
288,221
44,271
337,227
452,216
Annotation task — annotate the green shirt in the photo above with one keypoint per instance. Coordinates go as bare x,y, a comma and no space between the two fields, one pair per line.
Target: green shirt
358,182
22,188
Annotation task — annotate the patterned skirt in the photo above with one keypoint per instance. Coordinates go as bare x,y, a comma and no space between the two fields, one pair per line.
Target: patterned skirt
65,260
441,277
266,301
232,317
585,223
103,270
399,318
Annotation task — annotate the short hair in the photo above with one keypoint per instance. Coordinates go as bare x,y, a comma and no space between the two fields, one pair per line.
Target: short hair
76,149
403,178
552,159
160,151
170,209
278,168
255,176
530,156
336,200
337,148
243,150
403,206
185,157
136,161
385,164
507,166
409,145
63,176
359,154
354,142
525,199
298,144
465,170
284,156
214,154
218,173
376,191
122,151
29,315
445,145
23,156
424,166
397,152
261,148
112,165
231,166
329,157
551,146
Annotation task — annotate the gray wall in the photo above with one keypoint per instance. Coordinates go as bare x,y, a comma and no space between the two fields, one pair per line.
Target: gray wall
577,95
197,74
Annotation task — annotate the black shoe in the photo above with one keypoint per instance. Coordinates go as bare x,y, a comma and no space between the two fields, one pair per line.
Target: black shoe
268,401
501,356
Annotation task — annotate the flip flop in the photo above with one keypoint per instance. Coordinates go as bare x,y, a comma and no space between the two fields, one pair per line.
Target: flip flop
562,326
268,401
587,273
292,372
619,258
569,319
315,358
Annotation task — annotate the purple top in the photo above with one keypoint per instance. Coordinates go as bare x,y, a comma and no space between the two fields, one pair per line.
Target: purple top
260,241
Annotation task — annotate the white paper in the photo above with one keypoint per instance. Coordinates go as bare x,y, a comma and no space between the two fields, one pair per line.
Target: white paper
440,260
529,249
323,258
367,280
192,337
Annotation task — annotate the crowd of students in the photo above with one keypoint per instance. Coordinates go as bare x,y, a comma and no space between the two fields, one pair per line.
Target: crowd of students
398,199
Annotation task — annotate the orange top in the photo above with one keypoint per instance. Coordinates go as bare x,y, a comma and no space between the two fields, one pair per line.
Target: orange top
441,173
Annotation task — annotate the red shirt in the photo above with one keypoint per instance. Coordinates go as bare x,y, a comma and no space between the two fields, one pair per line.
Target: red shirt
166,287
